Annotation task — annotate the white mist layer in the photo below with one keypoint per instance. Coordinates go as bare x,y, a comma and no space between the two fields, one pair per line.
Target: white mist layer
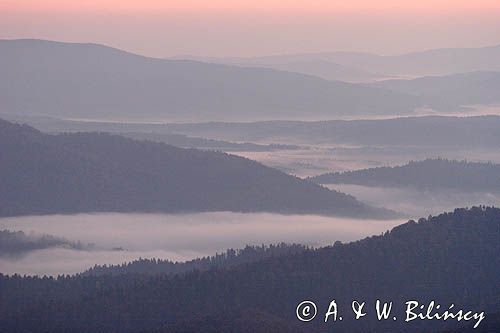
418,203
176,237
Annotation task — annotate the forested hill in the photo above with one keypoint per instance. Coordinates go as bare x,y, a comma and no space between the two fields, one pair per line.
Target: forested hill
450,258
227,259
88,172
427,174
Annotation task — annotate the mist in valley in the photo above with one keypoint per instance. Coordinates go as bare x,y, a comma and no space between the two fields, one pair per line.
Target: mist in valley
418,203
124,237
313,160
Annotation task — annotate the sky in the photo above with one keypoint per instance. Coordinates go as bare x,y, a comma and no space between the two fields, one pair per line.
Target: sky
163,28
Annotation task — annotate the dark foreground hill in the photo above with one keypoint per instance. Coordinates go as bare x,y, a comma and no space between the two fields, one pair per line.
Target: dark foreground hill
428,174
88,172
451,258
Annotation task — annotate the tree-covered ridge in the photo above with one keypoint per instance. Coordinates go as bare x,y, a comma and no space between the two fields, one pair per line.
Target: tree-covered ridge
436,173
450,258
230,258
17,242
95,172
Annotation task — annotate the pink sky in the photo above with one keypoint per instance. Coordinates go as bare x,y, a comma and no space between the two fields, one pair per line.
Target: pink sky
259,27
244,5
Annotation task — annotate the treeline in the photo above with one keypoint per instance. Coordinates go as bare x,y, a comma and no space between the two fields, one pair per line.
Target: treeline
227,259
438,173
450,258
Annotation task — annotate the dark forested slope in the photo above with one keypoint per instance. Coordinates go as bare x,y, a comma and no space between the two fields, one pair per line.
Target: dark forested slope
84,172
428,174
227,259
451,258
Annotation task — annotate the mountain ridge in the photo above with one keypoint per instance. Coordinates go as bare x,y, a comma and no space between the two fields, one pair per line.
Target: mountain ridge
429,174
92,80
440,61
479,87
91,172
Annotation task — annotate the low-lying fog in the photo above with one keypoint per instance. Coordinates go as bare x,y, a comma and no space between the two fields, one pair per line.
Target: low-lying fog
318,159
175,237
464,111
418,203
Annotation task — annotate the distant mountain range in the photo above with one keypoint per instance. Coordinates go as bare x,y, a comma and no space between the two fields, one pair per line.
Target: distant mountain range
85,172
142,132
430,174
440,131
432,131
457,89
98,82
91,81
450,259
183,141
365,67
310,64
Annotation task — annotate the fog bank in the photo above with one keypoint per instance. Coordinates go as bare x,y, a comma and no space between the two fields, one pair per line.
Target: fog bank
418,203
175,237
